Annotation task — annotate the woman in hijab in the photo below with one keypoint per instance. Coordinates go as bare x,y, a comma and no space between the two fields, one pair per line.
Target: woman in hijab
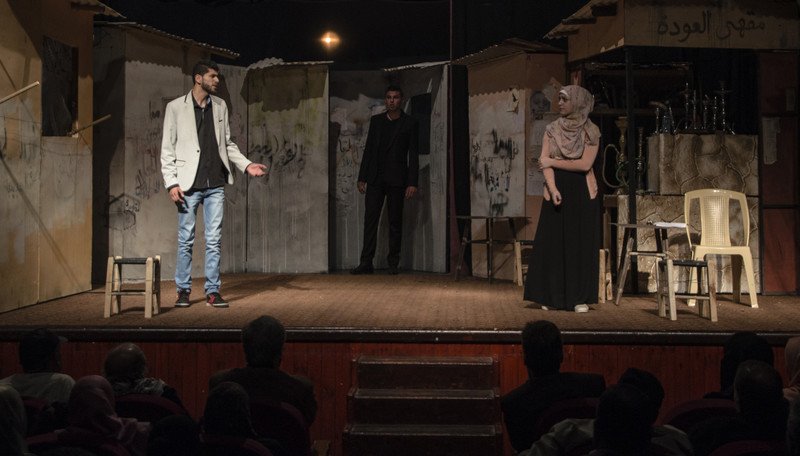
92,418
564,263
12,423
792,352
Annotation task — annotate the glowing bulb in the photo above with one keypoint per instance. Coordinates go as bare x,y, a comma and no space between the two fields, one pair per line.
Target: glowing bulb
330,40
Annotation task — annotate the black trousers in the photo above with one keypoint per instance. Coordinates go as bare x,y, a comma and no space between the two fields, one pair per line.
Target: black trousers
394,197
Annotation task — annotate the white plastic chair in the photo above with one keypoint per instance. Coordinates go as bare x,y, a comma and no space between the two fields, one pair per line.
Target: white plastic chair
715,235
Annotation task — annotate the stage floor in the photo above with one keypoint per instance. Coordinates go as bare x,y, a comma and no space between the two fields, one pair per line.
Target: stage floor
410,307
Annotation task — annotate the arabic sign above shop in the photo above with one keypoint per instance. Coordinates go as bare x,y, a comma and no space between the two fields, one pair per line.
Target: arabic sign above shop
603,25
764,24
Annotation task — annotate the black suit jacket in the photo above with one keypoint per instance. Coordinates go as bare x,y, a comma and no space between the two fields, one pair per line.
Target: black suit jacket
403,160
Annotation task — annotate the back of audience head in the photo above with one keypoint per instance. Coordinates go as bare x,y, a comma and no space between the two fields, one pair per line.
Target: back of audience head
623,424
40,351
792,356
743,346
125,362
758,391
13,422
542,347
91,405
175,435
262,340
793,429
649,385
228,411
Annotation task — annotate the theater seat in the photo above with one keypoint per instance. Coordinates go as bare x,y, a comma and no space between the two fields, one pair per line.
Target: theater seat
752,447
230,445
686,415
280,421
146,407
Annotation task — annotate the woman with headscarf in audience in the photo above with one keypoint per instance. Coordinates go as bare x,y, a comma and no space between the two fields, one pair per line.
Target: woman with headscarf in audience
92,418
12,423
792,353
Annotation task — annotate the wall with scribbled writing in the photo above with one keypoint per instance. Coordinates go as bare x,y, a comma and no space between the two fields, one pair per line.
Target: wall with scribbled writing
287,210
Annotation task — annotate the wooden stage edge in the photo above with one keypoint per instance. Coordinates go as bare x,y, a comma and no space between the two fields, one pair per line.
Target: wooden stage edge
396,336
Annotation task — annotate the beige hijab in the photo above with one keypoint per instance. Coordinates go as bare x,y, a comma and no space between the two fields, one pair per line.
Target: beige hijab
571,133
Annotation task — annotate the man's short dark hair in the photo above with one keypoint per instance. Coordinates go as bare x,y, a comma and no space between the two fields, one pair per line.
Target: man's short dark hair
622,420
125,363
649,385
758,386
394,88
262,340
203,66
542,347
37,348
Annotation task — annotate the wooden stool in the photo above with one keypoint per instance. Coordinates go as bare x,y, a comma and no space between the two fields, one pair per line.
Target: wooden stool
152,282
666,288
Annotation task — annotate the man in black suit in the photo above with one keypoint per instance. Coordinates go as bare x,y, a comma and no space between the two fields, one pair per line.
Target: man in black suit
389,171
543,353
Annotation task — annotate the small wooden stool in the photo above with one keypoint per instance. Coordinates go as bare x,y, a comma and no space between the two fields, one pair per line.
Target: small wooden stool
152,282
666,288
521,259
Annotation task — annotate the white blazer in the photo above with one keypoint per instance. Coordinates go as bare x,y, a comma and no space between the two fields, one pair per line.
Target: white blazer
180,148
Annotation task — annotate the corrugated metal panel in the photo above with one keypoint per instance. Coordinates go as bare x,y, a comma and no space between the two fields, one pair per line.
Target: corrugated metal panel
571,24
417,65
97,7
270,62
227,53
509,47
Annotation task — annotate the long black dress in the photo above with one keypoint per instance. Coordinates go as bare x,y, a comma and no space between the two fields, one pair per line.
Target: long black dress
564,264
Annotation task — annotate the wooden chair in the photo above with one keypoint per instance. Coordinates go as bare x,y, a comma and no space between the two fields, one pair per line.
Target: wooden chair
715,235
665,281
43,442
152,282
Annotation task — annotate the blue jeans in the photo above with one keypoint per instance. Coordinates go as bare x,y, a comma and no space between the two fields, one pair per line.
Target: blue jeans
213,201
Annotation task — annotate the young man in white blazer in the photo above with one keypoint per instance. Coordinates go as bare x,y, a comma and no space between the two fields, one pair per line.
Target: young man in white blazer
196,158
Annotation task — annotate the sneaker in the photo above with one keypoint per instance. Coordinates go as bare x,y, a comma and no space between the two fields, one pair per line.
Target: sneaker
581,308
545,308
183,298
214,299
363,268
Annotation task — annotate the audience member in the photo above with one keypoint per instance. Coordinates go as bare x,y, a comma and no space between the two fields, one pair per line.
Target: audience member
575,433
40,357
12,423
792,390
793,429
543,354
262,340
174,435
762,411
622,426
742,346
227,412
92,417
125,368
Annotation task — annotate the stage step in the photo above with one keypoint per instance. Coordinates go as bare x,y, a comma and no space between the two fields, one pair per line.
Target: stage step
440,372
423,406
419,440
403,405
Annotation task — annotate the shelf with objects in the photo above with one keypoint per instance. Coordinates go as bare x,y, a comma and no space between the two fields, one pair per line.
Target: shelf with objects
694,120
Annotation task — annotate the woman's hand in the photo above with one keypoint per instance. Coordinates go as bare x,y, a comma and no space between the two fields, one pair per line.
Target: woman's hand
555,195
545,161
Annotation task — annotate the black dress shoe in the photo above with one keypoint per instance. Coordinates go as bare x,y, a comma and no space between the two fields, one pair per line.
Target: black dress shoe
393,270
363,268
